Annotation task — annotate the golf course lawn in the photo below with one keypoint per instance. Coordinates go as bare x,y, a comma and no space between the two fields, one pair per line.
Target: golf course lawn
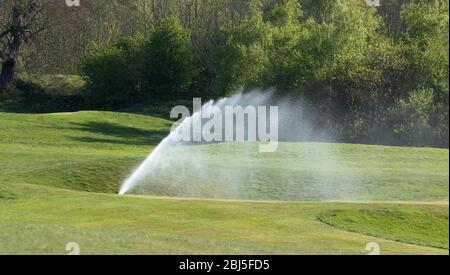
43,220
59,174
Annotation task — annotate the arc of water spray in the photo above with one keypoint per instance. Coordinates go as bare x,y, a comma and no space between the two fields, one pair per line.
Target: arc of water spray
131,182
177,136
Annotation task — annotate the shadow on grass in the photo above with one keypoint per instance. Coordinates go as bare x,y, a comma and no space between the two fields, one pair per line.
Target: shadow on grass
120,134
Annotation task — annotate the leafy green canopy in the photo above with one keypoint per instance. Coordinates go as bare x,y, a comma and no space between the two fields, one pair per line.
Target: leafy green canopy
157,66
338,55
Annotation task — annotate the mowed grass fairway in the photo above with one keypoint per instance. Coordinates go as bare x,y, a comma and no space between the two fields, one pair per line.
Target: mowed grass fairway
59,174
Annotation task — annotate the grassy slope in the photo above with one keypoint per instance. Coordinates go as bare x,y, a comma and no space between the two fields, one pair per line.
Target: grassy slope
90,151
425,225
304,171
49,218
94,151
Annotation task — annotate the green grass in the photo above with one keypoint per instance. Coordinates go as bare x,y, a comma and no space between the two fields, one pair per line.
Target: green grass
96,151
302,171
7,194
43,220
423,225
48,161
89,151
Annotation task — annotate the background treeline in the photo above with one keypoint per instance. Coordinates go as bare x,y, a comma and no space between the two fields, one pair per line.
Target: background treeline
369,74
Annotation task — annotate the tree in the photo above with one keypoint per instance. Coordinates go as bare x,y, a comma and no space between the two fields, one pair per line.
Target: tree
410,119
242,59
20,21
426,39
110,71
168,61
426,44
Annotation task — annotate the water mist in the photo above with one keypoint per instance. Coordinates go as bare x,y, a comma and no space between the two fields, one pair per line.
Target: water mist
238,169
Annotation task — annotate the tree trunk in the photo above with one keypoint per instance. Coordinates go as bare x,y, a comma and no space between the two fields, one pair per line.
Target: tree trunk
7,73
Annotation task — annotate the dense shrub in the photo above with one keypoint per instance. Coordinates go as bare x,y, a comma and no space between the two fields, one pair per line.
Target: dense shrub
168,68
43,94
158,67
110,81
410,119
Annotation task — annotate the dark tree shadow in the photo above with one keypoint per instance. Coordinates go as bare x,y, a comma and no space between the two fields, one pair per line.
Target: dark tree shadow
120,134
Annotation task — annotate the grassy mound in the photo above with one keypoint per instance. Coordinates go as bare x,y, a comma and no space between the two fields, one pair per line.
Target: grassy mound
88,151
422,225
96,151
300,172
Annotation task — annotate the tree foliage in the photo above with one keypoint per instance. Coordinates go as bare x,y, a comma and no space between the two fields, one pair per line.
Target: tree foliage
168,68
156,66
358,67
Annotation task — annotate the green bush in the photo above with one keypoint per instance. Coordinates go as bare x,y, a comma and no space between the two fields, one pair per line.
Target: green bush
111,72
410,119
159,67
43,94
168,66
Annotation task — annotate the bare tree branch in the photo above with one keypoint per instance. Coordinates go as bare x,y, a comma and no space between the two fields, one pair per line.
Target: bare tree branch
20,21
